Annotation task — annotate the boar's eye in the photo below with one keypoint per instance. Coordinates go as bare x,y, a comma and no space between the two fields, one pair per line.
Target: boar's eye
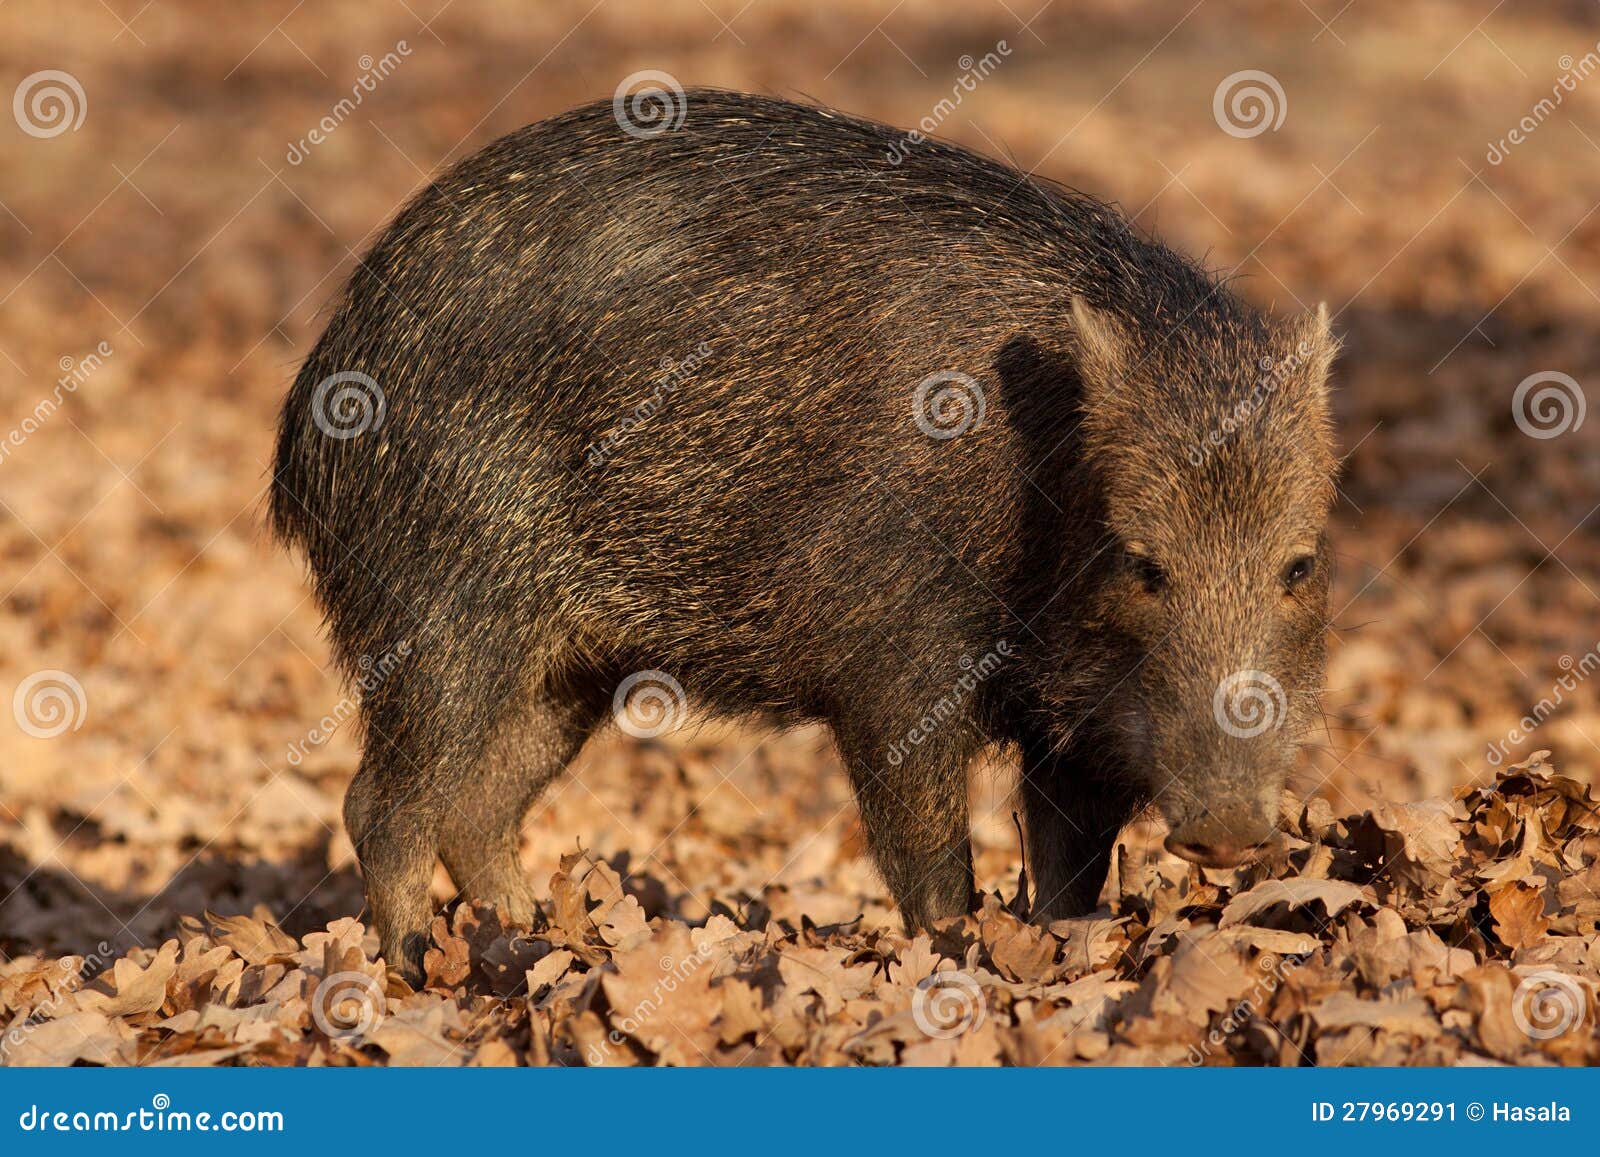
1298,571
1146,571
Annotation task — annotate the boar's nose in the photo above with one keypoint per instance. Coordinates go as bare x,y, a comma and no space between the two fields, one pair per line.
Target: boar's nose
1218,841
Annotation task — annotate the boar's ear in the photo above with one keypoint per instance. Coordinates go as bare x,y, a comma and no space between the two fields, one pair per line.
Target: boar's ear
1101,350
1315,347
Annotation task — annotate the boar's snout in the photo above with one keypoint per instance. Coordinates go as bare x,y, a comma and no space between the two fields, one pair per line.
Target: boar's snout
1220,838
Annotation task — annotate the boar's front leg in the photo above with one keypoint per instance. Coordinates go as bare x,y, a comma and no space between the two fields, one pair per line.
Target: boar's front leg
914,813
1073,812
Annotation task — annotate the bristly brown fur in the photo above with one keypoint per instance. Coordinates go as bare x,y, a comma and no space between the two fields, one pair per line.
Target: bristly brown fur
544,508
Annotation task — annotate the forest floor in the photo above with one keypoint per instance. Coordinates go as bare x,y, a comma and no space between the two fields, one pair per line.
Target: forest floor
175,882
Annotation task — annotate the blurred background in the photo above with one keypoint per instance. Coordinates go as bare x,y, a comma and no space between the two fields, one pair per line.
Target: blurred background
186,186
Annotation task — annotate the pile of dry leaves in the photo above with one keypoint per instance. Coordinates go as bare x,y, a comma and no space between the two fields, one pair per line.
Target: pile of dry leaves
1433,933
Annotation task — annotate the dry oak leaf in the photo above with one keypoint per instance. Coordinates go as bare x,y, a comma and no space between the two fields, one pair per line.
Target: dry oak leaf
258,941
89,1035
1024,953
130,990
1518,912
550,968
1412,1015
415,1036
917,961
824,972
1206,974
742,1014
1488,993
448,962
625,925
661,995
1091,942
1421,840
1298,892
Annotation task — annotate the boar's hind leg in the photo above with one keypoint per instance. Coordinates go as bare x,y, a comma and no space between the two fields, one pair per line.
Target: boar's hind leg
427,724
914,815
480,839
1073,817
